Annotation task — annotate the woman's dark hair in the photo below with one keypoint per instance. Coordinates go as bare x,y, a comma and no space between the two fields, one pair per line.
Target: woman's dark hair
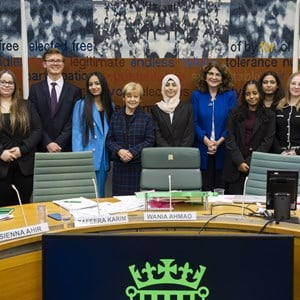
242,98
87,117
226,84
279,94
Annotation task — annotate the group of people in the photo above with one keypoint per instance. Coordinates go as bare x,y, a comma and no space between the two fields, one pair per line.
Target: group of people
226,130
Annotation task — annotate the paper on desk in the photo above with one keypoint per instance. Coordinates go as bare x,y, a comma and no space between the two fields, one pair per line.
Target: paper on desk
5,217
247,199
107,208
75,203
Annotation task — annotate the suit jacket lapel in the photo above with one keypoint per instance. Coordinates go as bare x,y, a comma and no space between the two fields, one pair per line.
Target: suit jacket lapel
256,126
242,132
46,93
176,115
97,119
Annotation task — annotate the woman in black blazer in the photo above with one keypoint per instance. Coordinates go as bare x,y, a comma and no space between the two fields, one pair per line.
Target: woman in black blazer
173,118
250,127
20,132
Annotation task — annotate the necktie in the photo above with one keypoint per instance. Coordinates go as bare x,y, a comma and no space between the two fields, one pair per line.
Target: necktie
53,98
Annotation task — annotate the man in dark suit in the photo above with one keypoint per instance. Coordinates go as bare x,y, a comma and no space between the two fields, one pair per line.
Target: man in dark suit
56,118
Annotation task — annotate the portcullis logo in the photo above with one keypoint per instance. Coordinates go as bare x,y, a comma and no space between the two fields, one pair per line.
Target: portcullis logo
167,280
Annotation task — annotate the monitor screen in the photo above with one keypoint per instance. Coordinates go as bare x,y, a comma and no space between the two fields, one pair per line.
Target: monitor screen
281,181
159,267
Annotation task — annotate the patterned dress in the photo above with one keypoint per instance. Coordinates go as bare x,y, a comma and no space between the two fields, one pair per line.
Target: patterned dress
132,133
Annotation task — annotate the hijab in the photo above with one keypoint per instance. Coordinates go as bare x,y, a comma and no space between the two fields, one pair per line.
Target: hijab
168,105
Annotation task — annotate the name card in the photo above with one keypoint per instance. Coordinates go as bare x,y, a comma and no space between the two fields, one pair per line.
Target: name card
170,216
17,233
101,220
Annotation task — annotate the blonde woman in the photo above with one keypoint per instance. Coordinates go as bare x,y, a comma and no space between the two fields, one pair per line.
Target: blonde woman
287,139
130,131
20,132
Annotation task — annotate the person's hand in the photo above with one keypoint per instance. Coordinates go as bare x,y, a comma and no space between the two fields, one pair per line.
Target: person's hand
243,167
125,155
8,155
15,151
212,147
53,147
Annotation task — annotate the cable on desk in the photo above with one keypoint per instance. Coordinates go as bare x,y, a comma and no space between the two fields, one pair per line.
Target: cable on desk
214,217
231,205
265,225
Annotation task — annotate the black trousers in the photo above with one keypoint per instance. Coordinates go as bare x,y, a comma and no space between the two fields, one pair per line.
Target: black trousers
211,178
24,185
237,187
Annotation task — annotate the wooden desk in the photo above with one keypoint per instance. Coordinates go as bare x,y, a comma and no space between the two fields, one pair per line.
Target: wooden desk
21,259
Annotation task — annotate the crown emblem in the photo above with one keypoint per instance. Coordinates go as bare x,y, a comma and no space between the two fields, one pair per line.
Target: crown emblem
167,272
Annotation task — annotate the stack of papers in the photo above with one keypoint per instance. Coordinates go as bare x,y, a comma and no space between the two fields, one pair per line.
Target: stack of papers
238,199
108,208
75,203
86,208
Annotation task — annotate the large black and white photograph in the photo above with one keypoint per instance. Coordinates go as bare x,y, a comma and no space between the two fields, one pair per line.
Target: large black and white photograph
262,29
63,24
155,28
10,28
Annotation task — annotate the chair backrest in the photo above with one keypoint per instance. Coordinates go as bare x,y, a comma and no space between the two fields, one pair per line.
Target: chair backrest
180,164
63,175
261,162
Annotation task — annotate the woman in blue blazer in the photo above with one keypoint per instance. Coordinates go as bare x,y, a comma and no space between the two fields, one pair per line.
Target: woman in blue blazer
90,123
211,104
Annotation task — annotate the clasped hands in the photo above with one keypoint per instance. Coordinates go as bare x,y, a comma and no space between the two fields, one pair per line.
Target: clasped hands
288,152
11,154
125,155
212,147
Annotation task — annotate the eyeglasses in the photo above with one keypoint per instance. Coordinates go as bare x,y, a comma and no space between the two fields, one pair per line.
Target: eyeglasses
6,83
54,61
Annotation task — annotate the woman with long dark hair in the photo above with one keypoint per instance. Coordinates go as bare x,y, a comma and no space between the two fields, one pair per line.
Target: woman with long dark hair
272,89
91,117
20,132
250,127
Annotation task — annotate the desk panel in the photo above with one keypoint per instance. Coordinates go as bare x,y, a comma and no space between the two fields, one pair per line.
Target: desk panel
20,259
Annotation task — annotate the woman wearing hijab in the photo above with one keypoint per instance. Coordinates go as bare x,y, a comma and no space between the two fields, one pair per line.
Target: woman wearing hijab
173,118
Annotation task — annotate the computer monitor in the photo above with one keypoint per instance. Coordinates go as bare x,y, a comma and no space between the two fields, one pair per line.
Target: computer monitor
148,267
282,182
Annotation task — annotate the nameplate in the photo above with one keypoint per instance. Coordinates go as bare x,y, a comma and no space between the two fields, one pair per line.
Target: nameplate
170,216
17,233
101,220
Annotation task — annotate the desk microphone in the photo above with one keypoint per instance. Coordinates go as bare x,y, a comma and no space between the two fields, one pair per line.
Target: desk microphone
244,195
21,205
96,193
170,191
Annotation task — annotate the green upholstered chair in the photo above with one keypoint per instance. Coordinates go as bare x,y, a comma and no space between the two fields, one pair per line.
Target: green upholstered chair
63,175
260,163
181,164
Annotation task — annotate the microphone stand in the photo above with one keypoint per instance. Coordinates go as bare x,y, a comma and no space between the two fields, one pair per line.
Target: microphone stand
97,198
21,205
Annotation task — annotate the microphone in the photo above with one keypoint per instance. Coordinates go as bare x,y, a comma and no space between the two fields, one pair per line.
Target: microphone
170,190
244,195
96,193
21,205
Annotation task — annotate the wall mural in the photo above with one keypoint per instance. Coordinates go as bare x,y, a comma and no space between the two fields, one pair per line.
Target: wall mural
142,40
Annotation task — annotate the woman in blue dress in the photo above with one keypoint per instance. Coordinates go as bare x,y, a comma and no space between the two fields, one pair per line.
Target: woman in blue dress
91,117
212,102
